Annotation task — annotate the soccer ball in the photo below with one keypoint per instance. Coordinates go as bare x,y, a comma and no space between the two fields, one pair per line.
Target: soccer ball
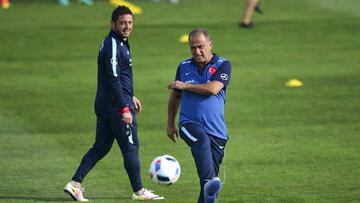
164,170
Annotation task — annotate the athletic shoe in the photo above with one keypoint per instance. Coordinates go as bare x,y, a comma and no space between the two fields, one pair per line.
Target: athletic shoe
147,195
246,25
171,1
75,192
86,2
258,9
211,188
64,2
174,1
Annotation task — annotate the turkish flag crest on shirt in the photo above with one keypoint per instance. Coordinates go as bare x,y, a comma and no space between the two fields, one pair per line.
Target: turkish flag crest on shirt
212,70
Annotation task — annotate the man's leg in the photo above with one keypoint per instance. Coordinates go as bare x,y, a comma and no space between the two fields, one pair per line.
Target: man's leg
218,151
101,147
250,7
195,137
213,186
126,137
103,142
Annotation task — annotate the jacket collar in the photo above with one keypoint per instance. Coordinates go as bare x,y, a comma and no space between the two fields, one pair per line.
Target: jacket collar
119,37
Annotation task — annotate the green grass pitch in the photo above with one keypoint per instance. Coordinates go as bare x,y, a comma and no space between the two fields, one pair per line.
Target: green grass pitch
286,144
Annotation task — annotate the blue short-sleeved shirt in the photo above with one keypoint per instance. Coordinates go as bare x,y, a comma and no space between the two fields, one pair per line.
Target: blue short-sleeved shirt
205,110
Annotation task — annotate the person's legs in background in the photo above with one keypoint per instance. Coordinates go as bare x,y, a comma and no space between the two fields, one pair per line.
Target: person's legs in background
252,5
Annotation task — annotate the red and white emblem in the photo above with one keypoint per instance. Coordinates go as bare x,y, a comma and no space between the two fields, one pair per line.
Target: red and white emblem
212,70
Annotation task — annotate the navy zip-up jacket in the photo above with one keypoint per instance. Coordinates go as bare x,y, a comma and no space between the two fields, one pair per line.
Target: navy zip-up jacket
115,79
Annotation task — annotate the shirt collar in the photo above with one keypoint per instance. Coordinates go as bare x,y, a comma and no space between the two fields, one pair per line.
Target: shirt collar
118,37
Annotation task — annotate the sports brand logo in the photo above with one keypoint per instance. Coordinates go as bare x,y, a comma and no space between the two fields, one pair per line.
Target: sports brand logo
224,76
113,61
190,81
212,70
185,62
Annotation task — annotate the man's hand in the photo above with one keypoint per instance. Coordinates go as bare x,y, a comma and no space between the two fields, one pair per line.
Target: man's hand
179,85
137,104
172,131
127,118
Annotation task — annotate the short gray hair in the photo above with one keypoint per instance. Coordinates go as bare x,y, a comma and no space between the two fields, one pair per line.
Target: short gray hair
200,31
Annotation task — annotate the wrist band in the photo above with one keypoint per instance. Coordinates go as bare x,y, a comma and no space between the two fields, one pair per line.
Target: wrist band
125,110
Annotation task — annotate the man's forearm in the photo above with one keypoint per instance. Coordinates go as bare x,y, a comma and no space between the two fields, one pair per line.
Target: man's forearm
210,88
173,107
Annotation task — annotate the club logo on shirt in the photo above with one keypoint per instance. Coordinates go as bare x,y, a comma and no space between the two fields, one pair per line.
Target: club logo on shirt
212,70
224,76
113,61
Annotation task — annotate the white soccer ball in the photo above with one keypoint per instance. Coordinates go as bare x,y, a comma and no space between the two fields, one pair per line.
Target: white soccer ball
164,170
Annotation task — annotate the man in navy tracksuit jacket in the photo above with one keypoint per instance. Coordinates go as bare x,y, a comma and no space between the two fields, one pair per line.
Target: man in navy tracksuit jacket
115,107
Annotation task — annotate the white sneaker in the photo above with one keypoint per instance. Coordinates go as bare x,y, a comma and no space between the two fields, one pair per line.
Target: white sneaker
171,1
75,192
147,195
174,1
211,188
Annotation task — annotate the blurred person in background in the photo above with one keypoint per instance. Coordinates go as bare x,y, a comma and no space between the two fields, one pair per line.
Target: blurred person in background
252,5
5,4
85,2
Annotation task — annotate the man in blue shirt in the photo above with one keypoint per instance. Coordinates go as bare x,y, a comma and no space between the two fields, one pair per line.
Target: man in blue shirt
115,107
200,91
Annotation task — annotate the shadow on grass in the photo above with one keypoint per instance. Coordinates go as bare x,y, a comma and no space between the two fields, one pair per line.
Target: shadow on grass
55,199
44,199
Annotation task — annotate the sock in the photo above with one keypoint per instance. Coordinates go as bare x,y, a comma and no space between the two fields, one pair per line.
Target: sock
140,192
75,184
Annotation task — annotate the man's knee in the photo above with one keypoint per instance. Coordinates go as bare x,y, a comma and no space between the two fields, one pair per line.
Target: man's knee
102,148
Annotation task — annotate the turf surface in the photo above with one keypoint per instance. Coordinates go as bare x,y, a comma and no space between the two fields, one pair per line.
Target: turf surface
286,144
